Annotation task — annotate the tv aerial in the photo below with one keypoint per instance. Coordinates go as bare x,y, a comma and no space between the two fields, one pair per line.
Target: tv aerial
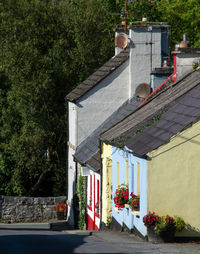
124,13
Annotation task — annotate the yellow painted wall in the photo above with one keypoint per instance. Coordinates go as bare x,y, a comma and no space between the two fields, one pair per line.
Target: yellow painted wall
106,182
174,178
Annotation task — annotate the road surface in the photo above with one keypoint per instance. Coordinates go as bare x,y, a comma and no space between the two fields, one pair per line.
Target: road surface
51,242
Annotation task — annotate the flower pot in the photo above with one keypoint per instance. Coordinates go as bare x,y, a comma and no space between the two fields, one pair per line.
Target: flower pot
60,215
168,235
152,237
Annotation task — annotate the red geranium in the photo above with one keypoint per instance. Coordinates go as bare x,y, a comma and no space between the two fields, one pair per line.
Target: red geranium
151,219
60,207
134,201
121,196
170,221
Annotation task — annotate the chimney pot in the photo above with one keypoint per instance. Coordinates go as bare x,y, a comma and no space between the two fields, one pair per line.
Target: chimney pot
184,43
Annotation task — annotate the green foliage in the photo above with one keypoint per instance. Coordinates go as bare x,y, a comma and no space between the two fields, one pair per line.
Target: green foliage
184,17
179,224
195,65
82,201
33,58
166,223
80,192
109,221
42,45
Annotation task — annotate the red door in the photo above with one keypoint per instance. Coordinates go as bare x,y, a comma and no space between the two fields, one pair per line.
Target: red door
93,202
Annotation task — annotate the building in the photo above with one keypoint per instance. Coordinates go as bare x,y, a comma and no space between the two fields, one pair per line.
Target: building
123,78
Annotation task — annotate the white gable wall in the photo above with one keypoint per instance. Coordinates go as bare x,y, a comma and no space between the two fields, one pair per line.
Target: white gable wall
100,102
72,143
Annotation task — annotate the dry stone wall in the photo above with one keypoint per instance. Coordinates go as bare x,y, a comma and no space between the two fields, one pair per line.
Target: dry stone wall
28,209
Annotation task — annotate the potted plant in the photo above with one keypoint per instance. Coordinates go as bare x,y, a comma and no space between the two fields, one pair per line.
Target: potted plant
166,228
60,210
97,207
134,202
150,221
179,224
121,196
162,228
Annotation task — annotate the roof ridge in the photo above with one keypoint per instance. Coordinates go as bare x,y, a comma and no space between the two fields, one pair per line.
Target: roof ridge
111,65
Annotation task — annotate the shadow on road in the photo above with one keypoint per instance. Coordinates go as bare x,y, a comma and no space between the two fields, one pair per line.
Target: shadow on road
40,243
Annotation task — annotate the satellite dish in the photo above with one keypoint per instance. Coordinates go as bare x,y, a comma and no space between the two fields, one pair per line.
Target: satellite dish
142,91
121,41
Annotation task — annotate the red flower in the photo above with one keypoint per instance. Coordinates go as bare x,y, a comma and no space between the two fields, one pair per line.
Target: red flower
121,196
60,207
150,219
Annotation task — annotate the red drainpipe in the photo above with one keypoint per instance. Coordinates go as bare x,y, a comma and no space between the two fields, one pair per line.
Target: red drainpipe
175,68
174,80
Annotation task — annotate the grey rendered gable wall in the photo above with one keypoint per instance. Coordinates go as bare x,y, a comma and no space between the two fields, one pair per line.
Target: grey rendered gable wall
145,54
90,146
100,102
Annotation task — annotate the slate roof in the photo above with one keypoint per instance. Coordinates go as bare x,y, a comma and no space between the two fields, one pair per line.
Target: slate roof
88,152
164,115
99,75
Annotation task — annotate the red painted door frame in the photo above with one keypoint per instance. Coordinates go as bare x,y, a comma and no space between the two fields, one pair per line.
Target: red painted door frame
91,221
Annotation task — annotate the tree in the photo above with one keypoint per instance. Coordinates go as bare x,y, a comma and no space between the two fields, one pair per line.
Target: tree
43,44
46,49
184,17
35,57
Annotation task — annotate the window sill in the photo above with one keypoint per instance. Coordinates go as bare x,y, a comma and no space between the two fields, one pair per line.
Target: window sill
136,213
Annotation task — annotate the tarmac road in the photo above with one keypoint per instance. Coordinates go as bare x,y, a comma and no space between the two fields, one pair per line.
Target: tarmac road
51,242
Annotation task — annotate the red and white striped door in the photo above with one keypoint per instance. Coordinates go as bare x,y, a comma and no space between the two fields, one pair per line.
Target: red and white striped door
93,201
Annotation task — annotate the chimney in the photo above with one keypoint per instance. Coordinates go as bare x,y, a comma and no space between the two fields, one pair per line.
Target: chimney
149,48
186,58
184,43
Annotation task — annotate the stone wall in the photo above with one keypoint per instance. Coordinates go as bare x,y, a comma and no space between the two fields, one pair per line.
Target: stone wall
28,209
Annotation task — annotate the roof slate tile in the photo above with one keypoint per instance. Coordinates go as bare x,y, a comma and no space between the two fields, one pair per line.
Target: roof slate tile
166,114
99,75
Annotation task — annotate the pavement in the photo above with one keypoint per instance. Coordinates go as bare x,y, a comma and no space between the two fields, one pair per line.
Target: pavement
52,225
108,242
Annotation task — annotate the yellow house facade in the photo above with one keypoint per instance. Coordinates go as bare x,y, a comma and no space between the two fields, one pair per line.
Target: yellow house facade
173,184
106,183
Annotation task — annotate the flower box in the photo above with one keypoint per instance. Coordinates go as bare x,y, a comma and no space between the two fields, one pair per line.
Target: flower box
61,211
134,202
136,213
116,209
121,196
60,215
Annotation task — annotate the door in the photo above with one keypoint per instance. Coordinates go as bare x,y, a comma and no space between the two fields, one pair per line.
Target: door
93,201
